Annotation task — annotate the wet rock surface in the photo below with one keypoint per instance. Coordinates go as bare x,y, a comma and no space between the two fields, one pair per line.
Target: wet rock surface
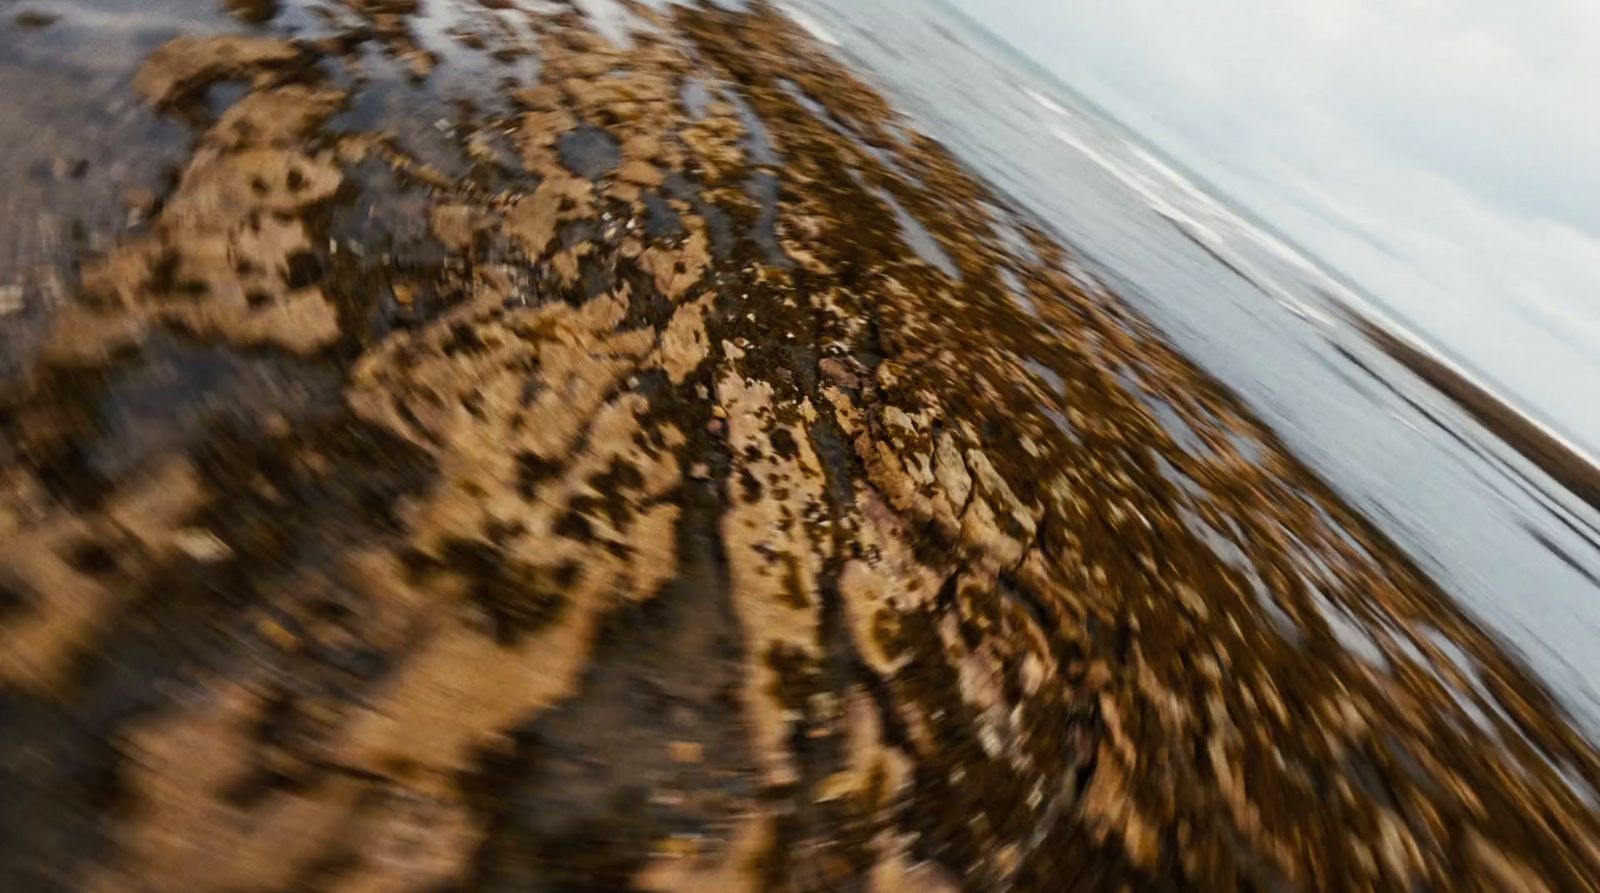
611,460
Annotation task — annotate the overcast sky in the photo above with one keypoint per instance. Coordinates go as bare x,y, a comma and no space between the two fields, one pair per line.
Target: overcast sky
1445,155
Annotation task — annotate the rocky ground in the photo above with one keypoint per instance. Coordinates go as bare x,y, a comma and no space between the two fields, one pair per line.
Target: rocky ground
624,454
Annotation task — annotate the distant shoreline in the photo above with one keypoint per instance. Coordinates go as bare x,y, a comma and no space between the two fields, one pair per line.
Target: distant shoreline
1564,463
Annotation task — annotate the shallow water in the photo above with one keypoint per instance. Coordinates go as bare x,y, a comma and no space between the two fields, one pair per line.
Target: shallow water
80,157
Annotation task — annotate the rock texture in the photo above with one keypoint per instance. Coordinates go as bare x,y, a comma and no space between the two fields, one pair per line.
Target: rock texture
651,513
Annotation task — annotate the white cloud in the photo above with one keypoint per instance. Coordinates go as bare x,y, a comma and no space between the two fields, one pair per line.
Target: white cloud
1444,154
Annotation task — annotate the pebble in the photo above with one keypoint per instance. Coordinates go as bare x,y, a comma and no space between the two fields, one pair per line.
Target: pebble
140,200
11,300
686,751
275,634
201,545
69,168
33,18
677,847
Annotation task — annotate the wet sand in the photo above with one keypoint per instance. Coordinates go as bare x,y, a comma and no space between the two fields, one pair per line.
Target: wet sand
515,450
